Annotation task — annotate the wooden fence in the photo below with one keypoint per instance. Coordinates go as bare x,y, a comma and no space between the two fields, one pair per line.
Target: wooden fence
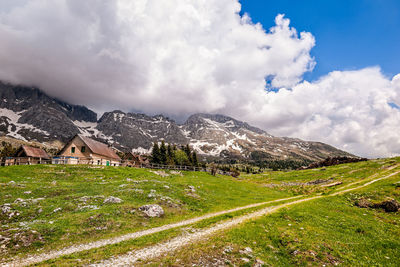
10,161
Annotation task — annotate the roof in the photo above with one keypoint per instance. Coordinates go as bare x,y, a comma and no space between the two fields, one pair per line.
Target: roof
99,148
35,152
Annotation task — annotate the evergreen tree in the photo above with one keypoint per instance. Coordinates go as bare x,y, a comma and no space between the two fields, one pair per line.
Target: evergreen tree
195,161
155,154
170,155
163,153
186,149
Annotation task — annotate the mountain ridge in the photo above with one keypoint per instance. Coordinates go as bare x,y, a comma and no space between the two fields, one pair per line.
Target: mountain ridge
29,114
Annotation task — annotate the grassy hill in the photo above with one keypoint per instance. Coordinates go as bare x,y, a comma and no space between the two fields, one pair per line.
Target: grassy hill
48,207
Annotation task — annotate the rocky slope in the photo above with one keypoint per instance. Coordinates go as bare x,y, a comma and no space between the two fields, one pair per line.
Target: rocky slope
30,115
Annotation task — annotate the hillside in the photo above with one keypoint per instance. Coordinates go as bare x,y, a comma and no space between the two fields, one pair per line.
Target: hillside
30,115
46,208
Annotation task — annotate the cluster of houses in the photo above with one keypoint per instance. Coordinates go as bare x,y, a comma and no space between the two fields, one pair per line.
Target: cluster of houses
79,150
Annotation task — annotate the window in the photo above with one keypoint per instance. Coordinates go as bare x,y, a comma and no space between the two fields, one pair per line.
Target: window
72,149
83,149
98,162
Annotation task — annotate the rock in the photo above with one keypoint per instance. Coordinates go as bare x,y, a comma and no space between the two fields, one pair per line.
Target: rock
129,180
89,207
192,188
258,263
247,251
388,205
363,203
228,249
28,192
57,210
8,211
112,200
246,260
152,210
152,194
12,183
166,186
160,173
176,173
20,201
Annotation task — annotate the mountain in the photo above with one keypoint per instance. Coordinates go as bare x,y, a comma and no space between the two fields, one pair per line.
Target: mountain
28,114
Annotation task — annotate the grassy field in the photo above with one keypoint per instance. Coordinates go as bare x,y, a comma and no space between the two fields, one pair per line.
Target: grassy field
63,205
57,206
328,231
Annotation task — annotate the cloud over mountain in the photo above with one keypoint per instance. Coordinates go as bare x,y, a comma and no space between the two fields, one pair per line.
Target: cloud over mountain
181,57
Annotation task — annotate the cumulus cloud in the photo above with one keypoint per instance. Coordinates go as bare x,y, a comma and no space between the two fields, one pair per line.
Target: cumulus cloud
180,57
348,109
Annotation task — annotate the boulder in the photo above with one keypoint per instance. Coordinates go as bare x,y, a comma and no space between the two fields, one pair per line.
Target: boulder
152,210
112,200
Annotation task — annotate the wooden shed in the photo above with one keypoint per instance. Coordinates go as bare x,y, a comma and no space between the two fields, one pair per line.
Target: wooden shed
27,155
134,160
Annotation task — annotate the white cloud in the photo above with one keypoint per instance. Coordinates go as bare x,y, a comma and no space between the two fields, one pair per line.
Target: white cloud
348,109
180,57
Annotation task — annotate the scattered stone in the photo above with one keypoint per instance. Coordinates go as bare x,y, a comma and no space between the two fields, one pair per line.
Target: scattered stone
12,183
160,173
258,263
166,186
192,188
112,200
122,185
88,207
54,183
363,203
28,192
152,194
129,180
176,173
133,211
57,210
246,260
8,211
228,249
152,210
248,251
36,200
21,201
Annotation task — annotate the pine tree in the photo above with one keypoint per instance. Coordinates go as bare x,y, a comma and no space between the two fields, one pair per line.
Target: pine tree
155,154
170,155
186,149
163,153
195,161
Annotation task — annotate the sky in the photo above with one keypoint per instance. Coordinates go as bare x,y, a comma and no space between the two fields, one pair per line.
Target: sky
318,70
349,34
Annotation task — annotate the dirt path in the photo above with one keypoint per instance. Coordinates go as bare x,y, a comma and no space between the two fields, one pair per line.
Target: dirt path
181,241
32,259
178,242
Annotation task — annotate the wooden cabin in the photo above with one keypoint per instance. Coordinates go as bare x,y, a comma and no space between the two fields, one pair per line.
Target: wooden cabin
134,160
27,155
84,150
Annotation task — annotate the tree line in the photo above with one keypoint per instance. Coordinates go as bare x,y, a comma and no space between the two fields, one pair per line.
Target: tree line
172,155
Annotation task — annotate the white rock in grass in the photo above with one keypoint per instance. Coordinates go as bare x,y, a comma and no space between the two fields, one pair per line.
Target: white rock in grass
152,210
57,210
112,200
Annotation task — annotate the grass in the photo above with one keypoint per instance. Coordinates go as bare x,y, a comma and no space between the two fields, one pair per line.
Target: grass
316,227
324,232
51,205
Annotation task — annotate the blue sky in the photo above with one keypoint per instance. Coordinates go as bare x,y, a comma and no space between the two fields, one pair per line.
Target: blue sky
350,34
